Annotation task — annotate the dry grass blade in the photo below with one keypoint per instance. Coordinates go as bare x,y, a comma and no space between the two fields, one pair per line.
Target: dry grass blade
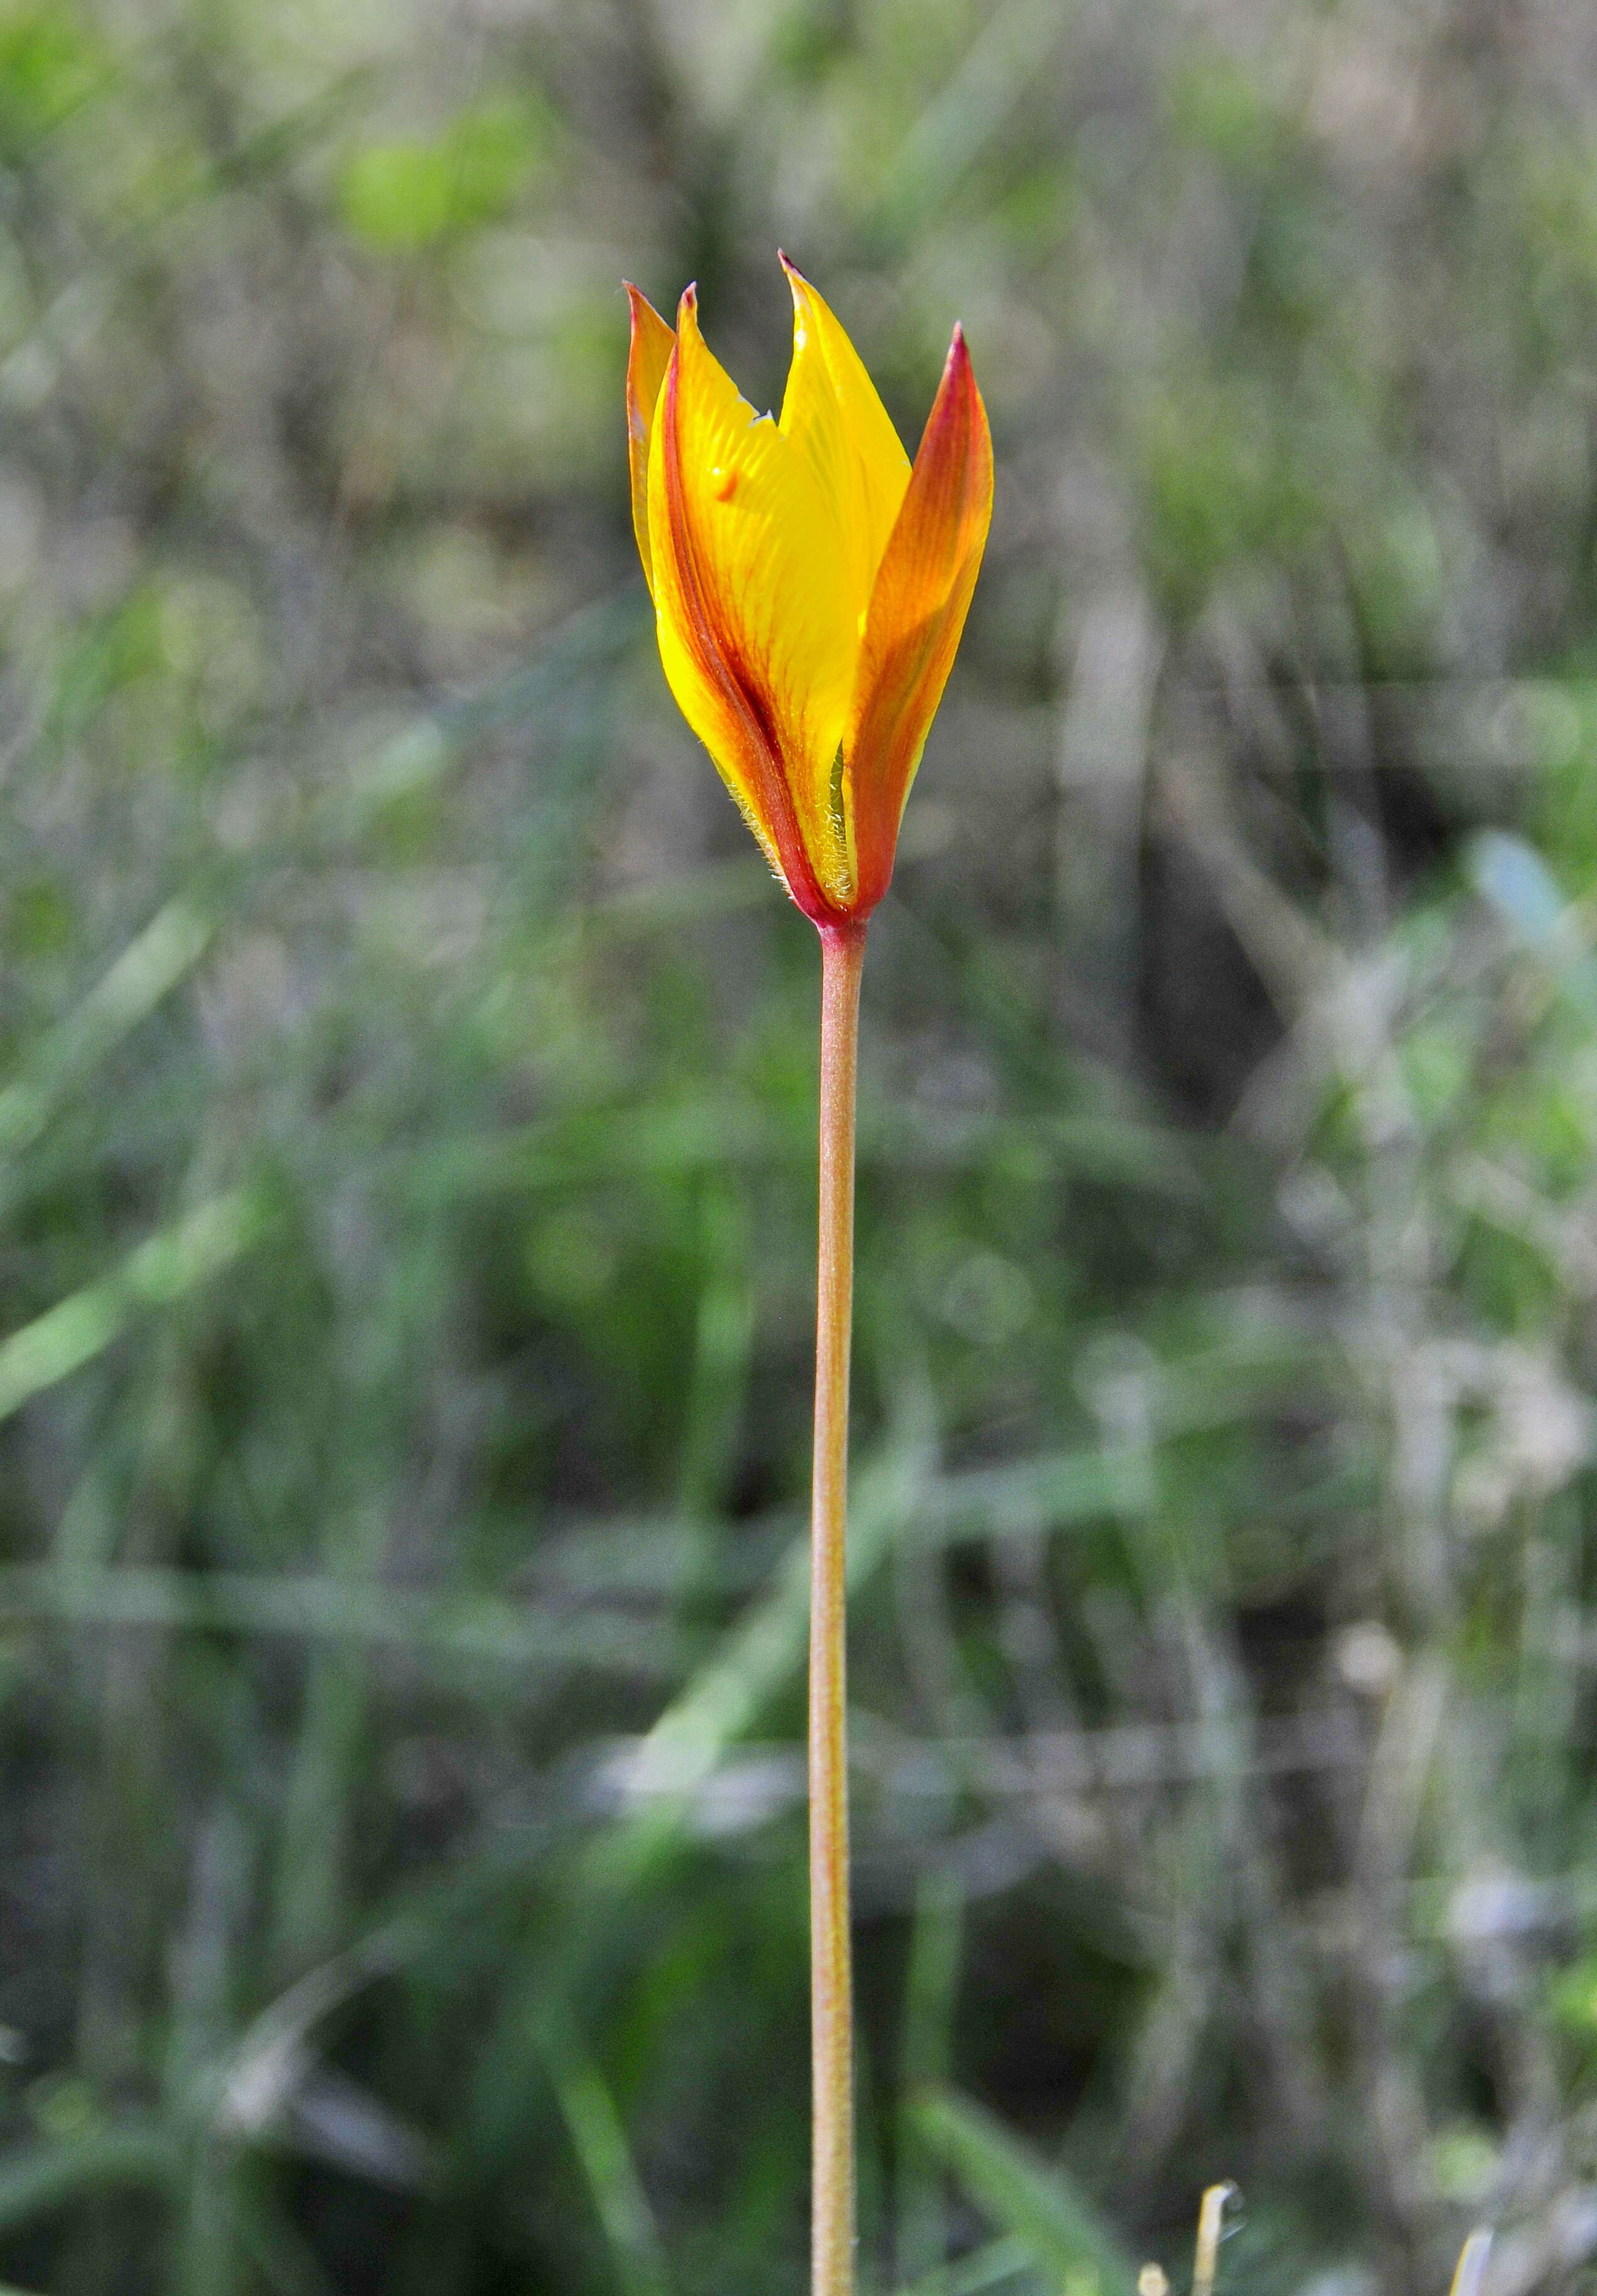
1211,2225
1470,2277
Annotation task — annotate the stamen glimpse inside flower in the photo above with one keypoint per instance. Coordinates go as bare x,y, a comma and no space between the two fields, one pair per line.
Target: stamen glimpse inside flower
723,484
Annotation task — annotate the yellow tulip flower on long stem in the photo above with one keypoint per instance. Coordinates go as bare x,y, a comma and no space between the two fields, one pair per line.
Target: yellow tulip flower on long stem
810,586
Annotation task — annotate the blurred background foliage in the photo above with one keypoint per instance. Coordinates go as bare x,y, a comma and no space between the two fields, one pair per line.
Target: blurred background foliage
406,1109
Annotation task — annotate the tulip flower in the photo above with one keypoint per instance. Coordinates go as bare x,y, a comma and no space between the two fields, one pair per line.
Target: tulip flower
810,586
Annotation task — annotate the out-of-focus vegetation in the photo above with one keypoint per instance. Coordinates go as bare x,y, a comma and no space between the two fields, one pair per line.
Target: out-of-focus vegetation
405,1135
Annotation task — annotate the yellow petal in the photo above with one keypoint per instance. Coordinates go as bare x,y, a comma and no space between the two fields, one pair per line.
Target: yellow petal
916,615
757,636
832,415
646,363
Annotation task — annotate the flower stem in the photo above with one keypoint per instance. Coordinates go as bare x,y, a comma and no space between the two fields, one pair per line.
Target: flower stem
831,2004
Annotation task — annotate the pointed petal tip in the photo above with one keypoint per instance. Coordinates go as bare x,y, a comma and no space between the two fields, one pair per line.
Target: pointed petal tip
687,310
647,325
798,285
958,374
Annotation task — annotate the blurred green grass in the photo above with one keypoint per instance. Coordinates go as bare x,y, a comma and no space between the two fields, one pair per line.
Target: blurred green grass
406,1111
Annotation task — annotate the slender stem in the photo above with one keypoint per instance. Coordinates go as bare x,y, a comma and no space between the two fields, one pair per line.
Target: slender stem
832,2002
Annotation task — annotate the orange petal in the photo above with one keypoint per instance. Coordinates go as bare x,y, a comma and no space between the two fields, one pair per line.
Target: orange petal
756,635
917,612
646,364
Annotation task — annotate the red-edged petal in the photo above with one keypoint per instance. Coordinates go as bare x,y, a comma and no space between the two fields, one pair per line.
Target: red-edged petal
647,359
741,614
916,615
